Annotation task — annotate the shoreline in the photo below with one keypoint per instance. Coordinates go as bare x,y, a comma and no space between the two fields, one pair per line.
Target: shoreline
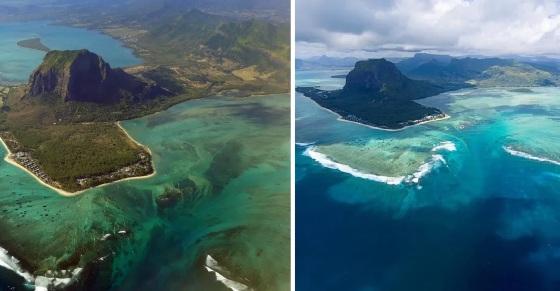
64,193
341,118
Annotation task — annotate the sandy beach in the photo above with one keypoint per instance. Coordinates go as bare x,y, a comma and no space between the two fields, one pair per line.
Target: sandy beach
340,118
61,192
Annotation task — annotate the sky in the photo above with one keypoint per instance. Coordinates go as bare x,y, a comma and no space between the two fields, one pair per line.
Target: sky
402,27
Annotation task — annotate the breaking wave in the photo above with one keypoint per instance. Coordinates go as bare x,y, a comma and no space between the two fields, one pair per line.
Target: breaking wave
41,283
212,266
525,155
445,146
435,162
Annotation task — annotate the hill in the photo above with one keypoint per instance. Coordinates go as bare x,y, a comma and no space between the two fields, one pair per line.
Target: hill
518,75
419,59
487,72
376,93
61,126
84,76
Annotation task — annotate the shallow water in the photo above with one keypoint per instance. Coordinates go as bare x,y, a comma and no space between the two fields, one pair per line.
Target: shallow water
234,150
17,63
483,220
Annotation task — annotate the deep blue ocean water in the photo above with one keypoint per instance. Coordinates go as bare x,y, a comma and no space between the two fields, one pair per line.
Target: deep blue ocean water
483,220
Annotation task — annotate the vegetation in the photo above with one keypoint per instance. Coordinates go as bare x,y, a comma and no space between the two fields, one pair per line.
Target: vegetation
187,52
452,72
33,43
519,75
59,60
376,93
72,151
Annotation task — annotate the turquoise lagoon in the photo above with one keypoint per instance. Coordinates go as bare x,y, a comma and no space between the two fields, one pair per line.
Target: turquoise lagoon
232,156
467,203
17,63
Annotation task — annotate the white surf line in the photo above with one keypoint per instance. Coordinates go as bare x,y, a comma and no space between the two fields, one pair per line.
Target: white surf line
445,146
212,266
12,264
525,155
304,144
41,283
328,163
435,162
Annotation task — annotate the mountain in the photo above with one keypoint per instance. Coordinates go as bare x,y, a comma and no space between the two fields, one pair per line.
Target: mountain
458,70
272,10
456,73
381,79
419,59
517,75
252,42
376,93
81,75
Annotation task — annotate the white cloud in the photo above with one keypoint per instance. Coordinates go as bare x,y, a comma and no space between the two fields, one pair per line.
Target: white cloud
478,26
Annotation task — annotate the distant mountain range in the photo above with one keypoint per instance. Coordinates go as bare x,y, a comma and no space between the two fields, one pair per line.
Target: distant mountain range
458,72
248,42
487,72
381,94
271,10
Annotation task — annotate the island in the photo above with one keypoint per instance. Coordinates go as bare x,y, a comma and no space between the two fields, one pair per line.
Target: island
33,43
63,128
377,94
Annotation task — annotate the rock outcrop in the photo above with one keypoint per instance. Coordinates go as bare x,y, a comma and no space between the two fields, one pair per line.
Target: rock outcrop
81,75
381,79
376,93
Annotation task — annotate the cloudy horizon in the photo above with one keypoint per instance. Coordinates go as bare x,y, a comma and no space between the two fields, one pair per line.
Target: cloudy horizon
398,28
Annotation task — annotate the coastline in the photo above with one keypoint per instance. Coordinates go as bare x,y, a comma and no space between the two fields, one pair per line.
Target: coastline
341,118
64,193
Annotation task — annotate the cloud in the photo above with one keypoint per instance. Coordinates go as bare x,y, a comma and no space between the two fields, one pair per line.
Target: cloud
491,27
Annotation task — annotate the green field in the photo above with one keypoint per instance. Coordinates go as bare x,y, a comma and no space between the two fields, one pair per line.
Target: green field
68,152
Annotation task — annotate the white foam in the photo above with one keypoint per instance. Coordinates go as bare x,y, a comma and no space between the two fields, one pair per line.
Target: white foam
328,163
212,266
525,155
11,263
41,283
304,144
435,162
445,146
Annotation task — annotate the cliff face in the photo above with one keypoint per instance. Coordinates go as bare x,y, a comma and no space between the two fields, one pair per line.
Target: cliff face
381,79
84,76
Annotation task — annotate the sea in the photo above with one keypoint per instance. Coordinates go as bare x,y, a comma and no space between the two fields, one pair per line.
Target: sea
231,231
467,203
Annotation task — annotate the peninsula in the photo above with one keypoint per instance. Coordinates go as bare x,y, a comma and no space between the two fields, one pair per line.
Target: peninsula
47,135
33,43
378,95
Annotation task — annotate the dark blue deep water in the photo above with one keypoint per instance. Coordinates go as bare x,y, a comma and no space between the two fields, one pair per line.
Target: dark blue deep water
486,220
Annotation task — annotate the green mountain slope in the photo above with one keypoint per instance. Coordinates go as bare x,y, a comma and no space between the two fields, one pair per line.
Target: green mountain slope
518,75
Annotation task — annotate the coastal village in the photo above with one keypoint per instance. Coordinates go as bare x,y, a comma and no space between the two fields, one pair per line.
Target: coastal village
23,158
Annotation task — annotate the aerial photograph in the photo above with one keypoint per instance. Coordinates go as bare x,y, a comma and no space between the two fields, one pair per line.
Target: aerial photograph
145,144
427,145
